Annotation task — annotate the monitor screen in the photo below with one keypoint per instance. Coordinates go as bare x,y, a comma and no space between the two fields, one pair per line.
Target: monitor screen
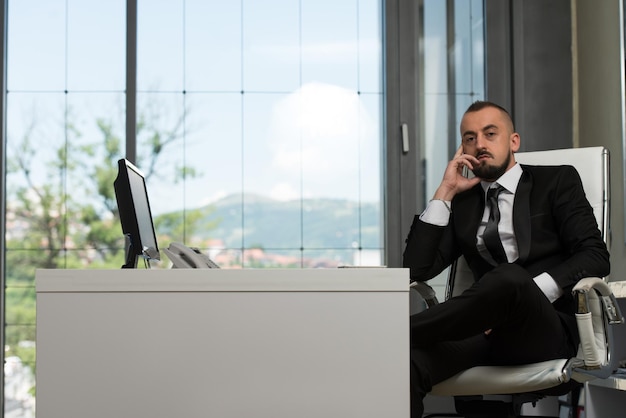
135,214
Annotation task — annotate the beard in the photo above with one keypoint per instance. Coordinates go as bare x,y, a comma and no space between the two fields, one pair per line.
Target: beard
492,172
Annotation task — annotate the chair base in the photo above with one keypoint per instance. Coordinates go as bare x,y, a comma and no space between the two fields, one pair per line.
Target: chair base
511,406
508,406
478,406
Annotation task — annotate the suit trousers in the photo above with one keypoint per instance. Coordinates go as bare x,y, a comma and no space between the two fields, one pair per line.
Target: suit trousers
451,337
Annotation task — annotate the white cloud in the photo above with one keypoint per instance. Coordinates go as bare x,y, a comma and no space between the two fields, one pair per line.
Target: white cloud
323,136
284,192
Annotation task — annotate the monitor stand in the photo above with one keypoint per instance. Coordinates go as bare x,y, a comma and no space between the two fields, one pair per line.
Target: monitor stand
130,257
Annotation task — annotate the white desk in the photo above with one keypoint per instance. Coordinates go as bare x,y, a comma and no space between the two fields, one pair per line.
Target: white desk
222,343
605,398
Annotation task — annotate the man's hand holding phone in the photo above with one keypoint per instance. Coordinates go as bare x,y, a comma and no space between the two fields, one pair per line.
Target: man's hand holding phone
454,181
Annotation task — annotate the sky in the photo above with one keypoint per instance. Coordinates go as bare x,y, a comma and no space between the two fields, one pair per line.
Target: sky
283,97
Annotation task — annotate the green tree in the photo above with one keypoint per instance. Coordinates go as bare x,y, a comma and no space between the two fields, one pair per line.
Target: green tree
70,219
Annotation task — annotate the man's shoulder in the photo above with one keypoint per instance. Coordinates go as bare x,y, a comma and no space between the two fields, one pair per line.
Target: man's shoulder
542,178
547,168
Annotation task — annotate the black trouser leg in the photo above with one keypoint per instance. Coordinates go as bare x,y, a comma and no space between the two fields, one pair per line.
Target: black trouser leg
449,337
506,300
431,365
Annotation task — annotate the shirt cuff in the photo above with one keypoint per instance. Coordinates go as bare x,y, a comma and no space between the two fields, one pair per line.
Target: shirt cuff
437,213
548,286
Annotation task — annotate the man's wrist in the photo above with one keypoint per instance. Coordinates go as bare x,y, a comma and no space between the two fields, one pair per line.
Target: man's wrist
443,194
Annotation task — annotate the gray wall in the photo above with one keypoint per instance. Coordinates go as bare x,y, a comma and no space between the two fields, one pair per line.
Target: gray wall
556,65
529,68
599,110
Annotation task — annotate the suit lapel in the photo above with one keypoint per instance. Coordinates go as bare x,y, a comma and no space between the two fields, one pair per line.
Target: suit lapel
521,215
468,220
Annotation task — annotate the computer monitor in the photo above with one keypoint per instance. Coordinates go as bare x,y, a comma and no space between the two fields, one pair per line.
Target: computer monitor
135,214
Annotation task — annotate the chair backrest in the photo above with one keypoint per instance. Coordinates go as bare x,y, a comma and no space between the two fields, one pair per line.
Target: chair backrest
592,164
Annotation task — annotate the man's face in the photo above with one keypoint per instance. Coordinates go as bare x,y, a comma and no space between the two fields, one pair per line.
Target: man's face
488,135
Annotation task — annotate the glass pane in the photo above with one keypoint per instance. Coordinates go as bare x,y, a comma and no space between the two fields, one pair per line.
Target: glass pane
35,132
370,234
369,129
213,32
35,184
368,257
226,258
463,47
213,147
272,224
330,223
20,310
21,266
330,56
36,58
469,46
271,45
96,45
326,258
370,50
160,45
19,351
227,216
19,372
95,143
435,150
213,181
435,47
161,136
259,258
271,151
329,128
478,46
469,57
98,257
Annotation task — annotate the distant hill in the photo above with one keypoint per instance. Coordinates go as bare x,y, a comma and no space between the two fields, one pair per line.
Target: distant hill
252,220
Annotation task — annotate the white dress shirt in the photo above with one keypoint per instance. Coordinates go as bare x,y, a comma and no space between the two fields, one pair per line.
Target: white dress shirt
437,213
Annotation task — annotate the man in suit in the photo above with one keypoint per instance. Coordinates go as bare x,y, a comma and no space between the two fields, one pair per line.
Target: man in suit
520,308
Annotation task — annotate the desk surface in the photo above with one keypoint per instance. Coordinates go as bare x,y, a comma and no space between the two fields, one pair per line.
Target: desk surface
611,382
215,280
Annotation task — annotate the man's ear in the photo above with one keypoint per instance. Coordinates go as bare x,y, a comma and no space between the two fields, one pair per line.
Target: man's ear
515,141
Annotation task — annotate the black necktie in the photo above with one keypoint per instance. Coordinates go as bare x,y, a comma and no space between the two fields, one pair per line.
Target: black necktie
491,236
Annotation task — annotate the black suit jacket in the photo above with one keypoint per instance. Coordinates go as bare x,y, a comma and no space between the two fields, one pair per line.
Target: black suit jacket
554,225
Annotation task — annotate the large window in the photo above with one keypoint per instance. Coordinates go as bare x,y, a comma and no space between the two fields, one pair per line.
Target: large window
272,116
258,125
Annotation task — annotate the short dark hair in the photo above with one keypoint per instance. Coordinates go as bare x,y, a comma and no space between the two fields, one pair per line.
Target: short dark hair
482,104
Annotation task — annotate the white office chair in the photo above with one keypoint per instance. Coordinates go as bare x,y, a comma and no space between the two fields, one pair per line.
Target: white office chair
597,313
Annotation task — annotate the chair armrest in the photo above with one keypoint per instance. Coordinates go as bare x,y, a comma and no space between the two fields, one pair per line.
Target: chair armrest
582,291
426,292
597,312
